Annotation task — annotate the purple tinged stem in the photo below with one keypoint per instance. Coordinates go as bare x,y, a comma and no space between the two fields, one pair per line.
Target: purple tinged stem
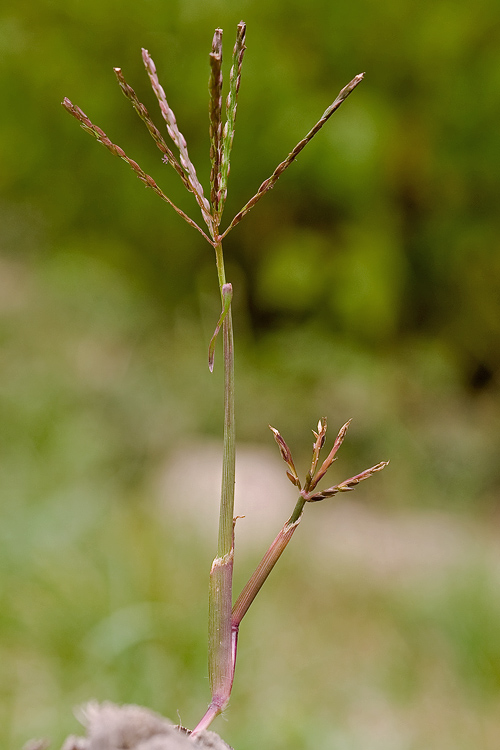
262,571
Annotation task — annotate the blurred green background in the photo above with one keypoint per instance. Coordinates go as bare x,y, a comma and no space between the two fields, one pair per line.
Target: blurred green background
367,286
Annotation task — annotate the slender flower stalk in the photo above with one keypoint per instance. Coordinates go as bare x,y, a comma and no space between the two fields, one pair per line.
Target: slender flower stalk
224,618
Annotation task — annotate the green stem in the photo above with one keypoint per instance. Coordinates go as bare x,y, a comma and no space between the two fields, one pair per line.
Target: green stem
220,656
225,541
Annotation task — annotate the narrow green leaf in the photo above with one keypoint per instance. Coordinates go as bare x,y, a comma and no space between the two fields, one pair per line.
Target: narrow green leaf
227,296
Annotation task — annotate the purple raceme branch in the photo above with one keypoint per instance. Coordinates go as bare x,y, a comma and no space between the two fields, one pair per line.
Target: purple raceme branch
177,137
318,444
231,107
347,485
271,181
331,456
157,137
101,137
215,89
286,455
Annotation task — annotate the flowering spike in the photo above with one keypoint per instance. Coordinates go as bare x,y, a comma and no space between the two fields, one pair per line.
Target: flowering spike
293,479
215,89
231,106
348,485
141,110
286,455
271,181
331,456
101,137
177,137
318,444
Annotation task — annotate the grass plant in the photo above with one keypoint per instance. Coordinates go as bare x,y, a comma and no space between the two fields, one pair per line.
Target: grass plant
224,616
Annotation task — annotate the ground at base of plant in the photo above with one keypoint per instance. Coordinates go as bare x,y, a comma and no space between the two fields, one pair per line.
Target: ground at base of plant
112,727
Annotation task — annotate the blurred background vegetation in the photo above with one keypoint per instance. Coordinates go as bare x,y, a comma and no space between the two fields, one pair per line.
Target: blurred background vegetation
367,286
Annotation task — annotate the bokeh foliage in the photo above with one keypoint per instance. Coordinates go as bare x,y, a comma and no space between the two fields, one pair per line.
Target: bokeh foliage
367,285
